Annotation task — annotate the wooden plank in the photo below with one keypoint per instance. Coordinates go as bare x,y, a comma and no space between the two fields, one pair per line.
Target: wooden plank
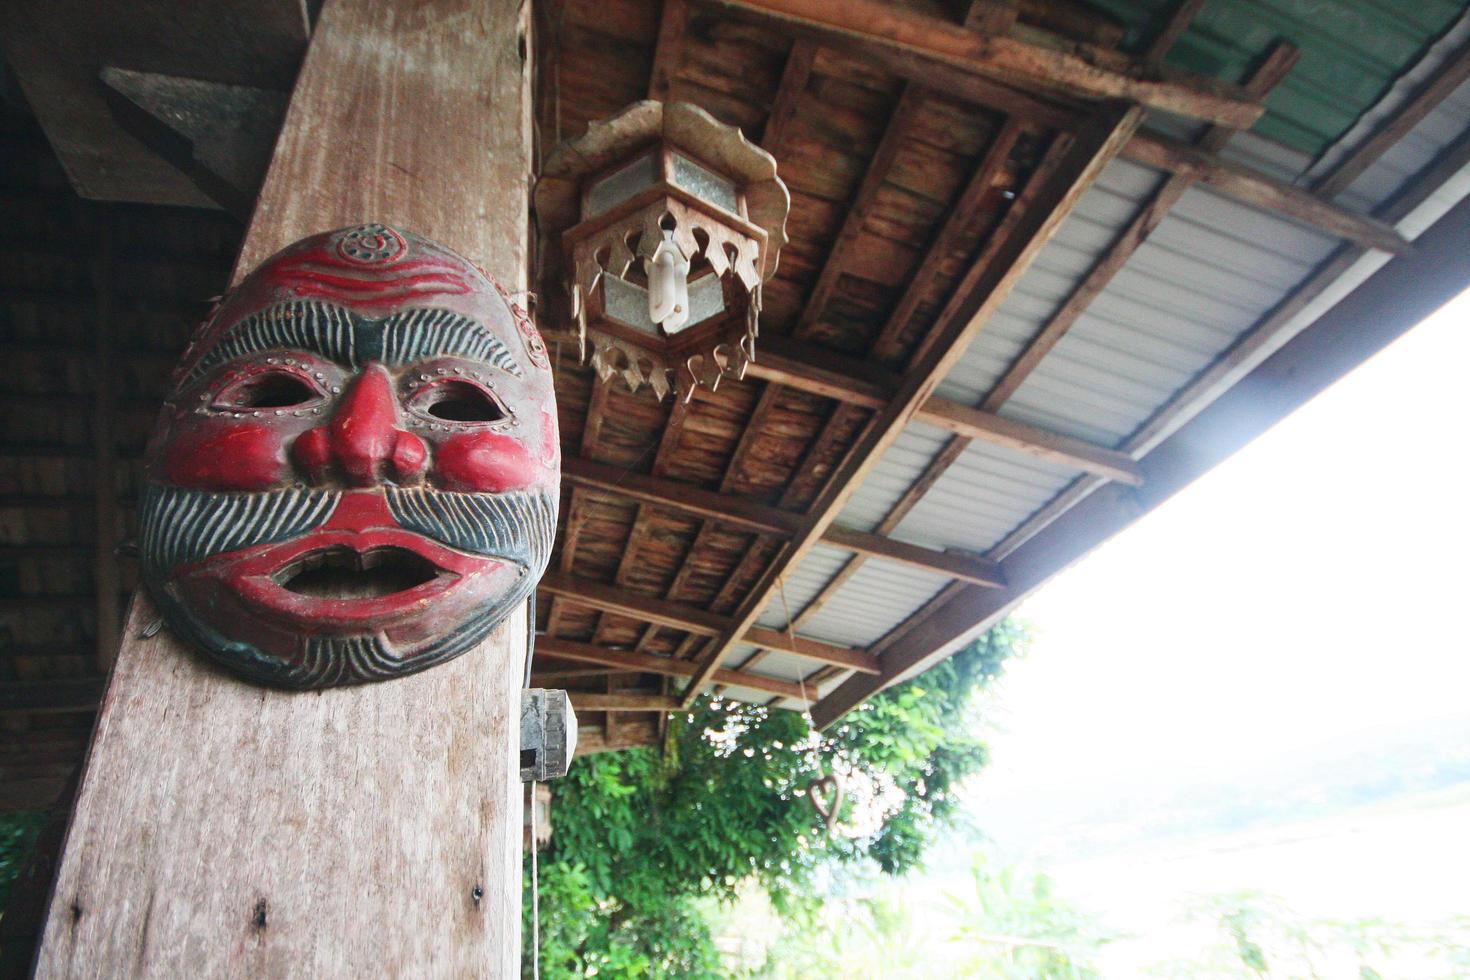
667,666
783,641
894,135
794,78
1450,76
197,854
631,735
1173,29
992,16
830,381
623,701
1380,310
957,565
1050,446
1249,187
1099,75
669,51
1093,147
987,171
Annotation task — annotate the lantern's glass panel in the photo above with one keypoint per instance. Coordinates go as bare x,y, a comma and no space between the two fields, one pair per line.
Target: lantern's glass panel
705,184
706,299
627,302
620,185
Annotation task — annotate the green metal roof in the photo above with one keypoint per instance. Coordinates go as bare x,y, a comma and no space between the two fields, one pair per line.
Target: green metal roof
1351,51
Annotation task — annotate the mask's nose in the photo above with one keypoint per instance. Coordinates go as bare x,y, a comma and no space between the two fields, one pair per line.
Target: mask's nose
363,442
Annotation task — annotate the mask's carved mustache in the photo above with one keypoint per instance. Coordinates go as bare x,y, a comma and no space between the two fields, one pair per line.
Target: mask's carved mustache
517,526
180,526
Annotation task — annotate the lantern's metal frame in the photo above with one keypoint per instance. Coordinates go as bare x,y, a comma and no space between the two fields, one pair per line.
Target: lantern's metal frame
740,245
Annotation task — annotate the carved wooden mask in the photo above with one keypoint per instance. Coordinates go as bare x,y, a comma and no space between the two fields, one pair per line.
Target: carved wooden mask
356,475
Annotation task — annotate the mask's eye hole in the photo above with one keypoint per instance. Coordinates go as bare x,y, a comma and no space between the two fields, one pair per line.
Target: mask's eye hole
268,389
457,401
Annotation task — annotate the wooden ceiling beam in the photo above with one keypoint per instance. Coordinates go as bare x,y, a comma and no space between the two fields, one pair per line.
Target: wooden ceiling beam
669,667
777,364
1450,76
1272,69
669,49
1033,62
894,135
747,514
622,701
692,619
1089,151
1179,20
1256,190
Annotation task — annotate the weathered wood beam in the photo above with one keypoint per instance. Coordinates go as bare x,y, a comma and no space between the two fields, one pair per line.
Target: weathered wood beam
601,478
992,16
953,564
622,701
1092,148
777,365
667,666
1179,20
187,813
1249,187
669,50
1274,67
982,426
861,205
1450,76
692,619
1100,74
1380,310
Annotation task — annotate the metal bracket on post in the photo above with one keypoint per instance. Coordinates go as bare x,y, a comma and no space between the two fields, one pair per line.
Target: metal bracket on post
548,734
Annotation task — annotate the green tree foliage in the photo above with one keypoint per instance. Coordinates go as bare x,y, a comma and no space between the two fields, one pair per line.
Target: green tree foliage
17,836
641,836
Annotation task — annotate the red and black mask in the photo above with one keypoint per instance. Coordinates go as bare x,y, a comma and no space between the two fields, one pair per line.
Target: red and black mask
356,476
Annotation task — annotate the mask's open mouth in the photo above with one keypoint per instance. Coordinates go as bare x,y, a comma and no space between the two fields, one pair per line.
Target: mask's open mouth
343,573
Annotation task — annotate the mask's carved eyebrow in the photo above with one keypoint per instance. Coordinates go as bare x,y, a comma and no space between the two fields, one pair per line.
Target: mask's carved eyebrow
335,333
320,328
414,335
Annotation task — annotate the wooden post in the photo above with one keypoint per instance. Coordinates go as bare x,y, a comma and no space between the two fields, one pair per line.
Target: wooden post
224,829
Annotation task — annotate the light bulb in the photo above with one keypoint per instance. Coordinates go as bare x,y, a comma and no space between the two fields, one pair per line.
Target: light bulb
668,286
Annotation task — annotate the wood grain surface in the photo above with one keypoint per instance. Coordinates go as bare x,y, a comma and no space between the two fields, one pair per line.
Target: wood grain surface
224,829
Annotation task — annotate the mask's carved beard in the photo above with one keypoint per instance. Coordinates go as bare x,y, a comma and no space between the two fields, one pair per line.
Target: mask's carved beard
181,527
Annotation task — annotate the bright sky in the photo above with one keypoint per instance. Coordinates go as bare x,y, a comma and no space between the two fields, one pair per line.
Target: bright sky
1310,587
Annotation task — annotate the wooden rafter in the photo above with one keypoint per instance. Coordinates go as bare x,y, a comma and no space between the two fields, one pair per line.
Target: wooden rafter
692,619
1249,187
1179,20
1450,76
1277,63
1094,145
1087,512
1272,68
1032,62
744,513
632,660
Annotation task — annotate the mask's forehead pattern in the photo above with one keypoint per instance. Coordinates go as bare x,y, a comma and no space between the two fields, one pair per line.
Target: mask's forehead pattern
371,272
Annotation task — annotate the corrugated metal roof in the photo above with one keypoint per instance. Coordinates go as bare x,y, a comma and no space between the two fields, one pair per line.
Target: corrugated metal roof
1209,272
1351,51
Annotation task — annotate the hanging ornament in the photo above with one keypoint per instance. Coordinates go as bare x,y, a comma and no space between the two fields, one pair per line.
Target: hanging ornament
664,224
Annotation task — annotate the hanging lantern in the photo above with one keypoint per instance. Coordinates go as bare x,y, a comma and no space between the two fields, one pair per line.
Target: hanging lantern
668,223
